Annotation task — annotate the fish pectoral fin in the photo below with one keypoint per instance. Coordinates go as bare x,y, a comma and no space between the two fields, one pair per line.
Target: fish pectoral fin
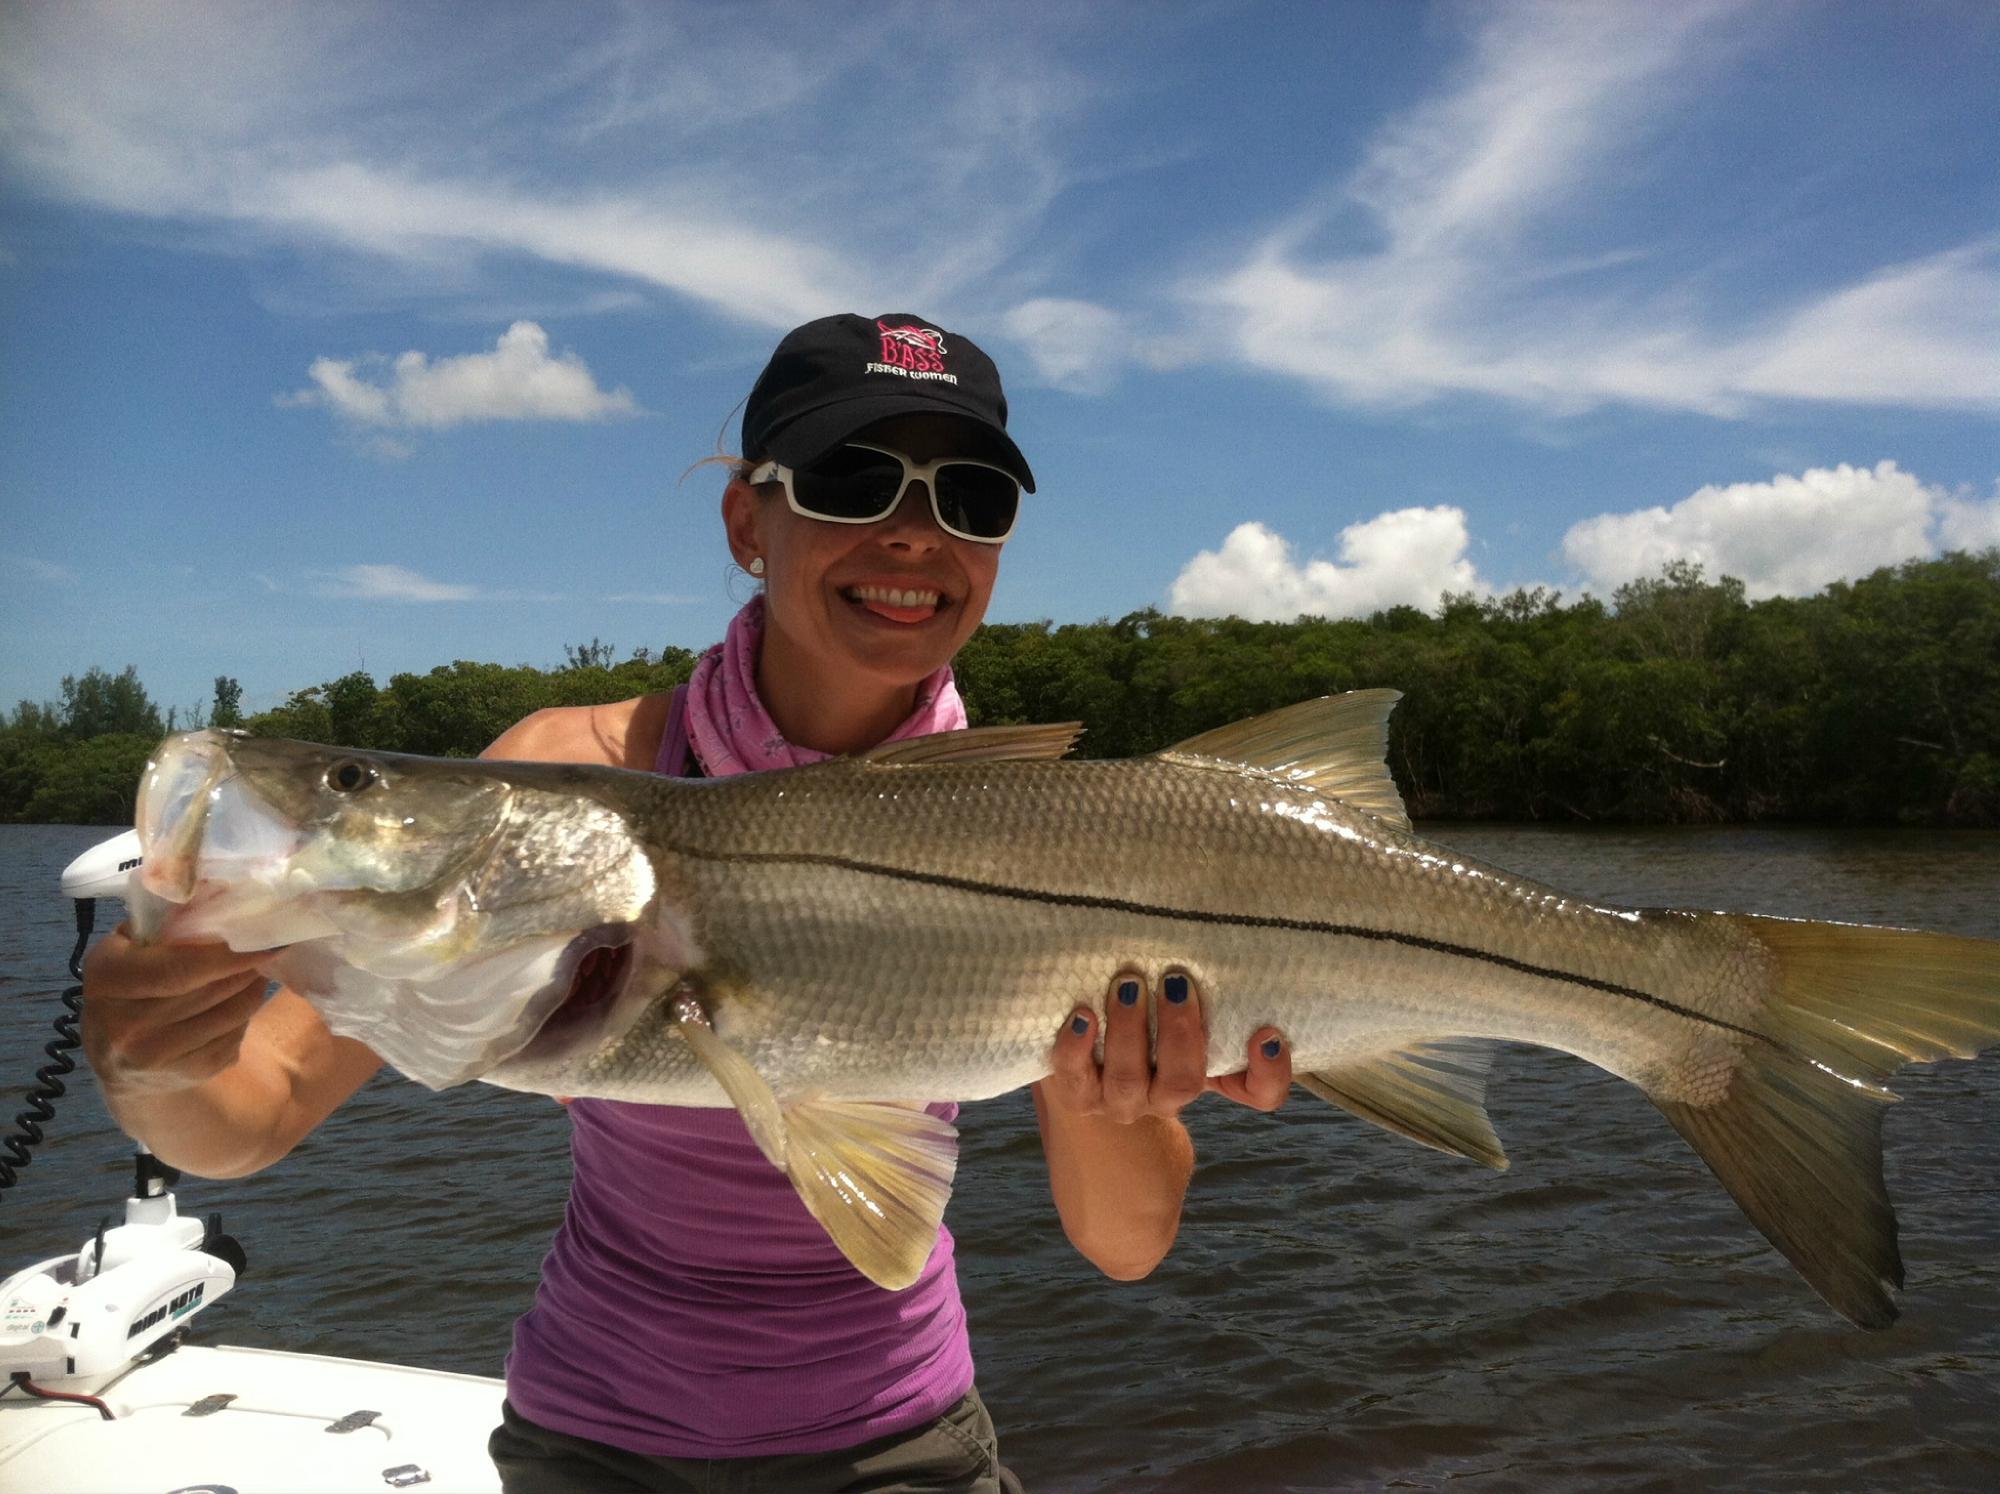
980,744
1434,1093
1337,745
877,1176
762,1116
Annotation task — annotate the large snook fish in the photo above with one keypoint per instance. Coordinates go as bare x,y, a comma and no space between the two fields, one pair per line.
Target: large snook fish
828,947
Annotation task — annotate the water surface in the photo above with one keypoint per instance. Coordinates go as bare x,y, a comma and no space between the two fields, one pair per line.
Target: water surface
1343,1310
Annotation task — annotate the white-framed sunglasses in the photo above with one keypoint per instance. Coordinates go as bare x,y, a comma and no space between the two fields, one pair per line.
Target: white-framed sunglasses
862,484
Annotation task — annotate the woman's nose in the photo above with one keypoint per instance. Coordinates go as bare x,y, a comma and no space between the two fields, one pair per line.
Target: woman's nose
913,526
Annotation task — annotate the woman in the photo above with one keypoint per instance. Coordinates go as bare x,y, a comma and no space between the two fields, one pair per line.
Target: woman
690,1310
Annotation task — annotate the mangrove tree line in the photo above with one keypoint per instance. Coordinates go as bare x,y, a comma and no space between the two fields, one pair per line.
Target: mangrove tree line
1873,702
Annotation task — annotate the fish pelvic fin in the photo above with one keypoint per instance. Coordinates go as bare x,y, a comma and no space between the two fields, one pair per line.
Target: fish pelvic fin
877,1176
1434,1093
1797,1136
763,1116
979,744
1337,745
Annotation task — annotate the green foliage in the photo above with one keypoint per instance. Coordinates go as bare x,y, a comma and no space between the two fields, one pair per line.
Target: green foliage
102,703
89,782
228,707
1875,702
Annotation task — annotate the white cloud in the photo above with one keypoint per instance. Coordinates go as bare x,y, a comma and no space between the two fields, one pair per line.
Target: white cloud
1469,194
1969,523
1410,556
518,380
1789,536
1074,345
768,169
391,583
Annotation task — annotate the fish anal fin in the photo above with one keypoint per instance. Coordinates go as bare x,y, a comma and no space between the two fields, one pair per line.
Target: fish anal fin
1337,745
877,1176
1800,1150
1434,1093
979,744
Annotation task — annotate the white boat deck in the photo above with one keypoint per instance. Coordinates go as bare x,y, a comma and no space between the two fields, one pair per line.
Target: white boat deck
290,1424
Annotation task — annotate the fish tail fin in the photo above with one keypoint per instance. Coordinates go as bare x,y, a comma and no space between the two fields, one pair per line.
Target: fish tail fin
1796,1136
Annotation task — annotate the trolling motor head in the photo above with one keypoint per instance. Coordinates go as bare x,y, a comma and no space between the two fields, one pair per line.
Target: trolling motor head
107,869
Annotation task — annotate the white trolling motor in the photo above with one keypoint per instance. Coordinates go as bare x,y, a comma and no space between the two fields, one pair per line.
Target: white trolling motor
129,1286
75,1316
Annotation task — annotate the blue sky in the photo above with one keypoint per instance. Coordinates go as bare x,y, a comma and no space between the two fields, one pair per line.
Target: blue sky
378,336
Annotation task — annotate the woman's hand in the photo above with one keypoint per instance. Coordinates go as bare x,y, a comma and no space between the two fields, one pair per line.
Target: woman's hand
1141,1076
1119,1157
158,1018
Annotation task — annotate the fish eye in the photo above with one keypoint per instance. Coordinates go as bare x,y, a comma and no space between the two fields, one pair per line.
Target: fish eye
350,777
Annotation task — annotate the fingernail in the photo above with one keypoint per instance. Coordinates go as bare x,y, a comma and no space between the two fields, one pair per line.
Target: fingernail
1128,993
1177,989
1079,1025
1273,1047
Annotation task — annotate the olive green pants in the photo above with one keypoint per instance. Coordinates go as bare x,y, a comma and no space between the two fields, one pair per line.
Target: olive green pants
956,1454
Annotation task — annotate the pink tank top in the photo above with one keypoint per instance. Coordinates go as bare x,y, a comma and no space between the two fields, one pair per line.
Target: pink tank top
690,1307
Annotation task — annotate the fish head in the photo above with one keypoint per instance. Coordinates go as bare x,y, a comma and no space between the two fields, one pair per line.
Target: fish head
439,910
230,822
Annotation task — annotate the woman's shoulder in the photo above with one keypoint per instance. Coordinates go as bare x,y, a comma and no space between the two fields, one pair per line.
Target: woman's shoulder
623,733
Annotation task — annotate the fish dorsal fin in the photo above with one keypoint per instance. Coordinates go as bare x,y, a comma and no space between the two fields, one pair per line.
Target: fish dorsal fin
980,744
1336,745
1430,1092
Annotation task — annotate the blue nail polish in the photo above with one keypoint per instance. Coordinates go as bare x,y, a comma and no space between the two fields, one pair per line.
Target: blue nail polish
1128,993
1079,1025
1272,1047
1176,987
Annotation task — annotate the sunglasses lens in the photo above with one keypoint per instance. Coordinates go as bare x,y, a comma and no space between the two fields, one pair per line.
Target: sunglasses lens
849,483
977,501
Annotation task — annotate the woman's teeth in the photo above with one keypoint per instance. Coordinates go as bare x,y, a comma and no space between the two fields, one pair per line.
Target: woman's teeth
890,597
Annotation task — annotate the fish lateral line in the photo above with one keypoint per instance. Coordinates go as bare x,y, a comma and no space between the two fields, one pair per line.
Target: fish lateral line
1099,902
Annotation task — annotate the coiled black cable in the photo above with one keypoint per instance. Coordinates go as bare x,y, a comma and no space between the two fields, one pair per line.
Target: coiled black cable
15,1150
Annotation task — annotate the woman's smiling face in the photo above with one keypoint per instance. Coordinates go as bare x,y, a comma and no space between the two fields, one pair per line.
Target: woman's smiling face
867,606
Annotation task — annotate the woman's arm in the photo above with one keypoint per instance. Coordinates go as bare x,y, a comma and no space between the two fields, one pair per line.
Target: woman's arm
1119,1157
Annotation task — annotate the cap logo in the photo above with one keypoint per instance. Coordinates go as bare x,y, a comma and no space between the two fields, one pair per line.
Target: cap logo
912,352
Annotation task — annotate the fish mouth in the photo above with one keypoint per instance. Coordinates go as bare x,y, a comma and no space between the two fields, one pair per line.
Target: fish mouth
211,843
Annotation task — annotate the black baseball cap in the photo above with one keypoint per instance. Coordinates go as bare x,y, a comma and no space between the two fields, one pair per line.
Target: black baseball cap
831,377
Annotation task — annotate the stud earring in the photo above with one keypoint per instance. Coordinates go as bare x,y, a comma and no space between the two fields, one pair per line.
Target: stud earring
757,565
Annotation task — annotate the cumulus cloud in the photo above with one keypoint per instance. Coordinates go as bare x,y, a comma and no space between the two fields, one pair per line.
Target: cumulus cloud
1410,556
518,380
391,583
1789,536
1969,523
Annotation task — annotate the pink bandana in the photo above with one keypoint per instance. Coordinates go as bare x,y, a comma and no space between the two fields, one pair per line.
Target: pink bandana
733,733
